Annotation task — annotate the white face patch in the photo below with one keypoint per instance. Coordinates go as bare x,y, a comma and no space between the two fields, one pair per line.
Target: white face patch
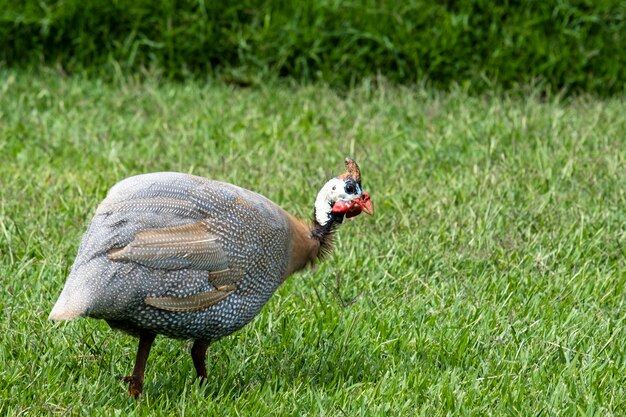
331,192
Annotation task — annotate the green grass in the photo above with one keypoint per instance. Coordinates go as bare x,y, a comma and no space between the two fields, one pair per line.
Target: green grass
491,280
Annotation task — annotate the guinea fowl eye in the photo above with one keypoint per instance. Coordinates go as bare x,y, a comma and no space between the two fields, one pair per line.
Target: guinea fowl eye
350,189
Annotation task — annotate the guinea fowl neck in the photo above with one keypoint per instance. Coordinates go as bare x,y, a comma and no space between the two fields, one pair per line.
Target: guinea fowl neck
324,233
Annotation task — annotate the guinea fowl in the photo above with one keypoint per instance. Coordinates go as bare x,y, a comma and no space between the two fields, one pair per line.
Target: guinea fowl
191,258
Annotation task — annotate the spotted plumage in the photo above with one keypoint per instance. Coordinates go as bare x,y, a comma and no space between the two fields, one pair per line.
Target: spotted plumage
192,258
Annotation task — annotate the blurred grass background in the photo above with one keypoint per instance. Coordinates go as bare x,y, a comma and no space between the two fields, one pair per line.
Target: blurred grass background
572,46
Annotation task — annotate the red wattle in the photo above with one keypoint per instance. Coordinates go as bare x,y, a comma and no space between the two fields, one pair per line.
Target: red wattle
341,206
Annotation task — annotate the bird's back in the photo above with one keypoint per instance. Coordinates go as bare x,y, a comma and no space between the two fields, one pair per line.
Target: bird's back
129,256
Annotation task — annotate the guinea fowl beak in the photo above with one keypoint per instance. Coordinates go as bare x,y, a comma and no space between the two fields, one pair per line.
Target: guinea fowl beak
366,204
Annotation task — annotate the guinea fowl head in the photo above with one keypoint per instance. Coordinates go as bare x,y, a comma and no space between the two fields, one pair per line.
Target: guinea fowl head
340,197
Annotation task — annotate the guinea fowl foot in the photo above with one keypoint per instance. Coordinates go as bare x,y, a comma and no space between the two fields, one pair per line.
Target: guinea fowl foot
203,380
135,381
135,386
198,354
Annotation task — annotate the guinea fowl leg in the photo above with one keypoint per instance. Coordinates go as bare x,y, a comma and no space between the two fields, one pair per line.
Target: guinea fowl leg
198,354
136,379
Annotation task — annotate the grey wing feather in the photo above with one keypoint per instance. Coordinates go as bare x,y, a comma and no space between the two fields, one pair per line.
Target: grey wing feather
193,302
163,221
140,205
187,246
157,205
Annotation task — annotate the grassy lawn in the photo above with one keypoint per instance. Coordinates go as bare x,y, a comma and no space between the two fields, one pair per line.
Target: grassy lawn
491,281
